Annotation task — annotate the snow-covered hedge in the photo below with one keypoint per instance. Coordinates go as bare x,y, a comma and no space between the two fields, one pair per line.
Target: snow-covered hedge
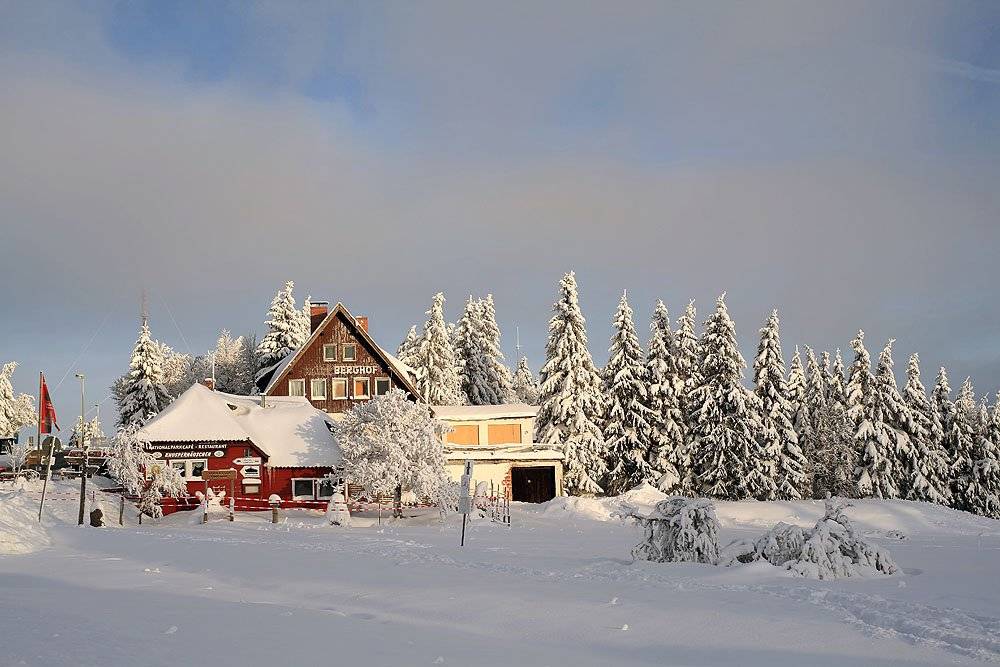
679,530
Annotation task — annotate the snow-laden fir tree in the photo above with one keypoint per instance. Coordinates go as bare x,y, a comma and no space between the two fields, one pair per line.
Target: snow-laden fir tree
668,452
570,401
833,462
732,462
780,439
687,358
896,416
795,391
142,392
478,373
837,390
305,321
928,468
494,350
437,374
874,471
391,444
976,462
409,349
16,411
284,328
525,384
626,418
813,405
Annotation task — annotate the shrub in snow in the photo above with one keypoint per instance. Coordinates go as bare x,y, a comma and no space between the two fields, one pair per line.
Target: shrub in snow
834,549
140,474
16,411
780,544
680,530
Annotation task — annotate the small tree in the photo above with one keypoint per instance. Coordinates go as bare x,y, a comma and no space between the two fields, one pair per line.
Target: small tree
391,444
409,348
525,384
16,411
680,530
140,474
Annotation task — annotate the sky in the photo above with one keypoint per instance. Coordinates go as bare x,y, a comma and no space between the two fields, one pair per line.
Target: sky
837,161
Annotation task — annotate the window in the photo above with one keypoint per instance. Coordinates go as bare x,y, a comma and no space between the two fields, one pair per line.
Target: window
330,352
382,386
325,488
464,434
318,389
338,387
349,352
503,434
189,469
296,387
361,387
302,489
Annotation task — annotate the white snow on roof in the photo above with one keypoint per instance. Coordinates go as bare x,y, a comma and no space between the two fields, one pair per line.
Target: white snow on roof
401,368
279,368
195,415
287,428
531,452
459,413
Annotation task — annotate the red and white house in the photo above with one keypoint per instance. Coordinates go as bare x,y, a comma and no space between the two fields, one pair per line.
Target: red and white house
277,445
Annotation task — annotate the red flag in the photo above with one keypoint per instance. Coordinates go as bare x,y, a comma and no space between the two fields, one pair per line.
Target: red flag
46,411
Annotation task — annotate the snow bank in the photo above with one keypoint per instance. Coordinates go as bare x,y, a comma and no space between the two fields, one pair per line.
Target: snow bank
640,500
20,532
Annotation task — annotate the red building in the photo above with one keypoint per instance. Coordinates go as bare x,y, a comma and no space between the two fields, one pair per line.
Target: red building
277,445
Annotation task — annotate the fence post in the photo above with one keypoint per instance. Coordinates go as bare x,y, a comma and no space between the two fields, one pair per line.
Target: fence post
232,508
121,510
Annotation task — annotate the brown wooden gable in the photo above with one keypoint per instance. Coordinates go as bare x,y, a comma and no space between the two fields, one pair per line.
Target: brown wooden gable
308,363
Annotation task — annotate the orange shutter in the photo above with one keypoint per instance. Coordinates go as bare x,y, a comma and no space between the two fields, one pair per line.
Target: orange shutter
467,434
504,434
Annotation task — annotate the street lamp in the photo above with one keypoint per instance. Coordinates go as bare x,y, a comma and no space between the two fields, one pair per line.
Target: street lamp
83,442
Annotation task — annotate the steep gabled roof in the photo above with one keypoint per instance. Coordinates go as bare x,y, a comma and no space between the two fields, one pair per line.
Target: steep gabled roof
196,415
396,367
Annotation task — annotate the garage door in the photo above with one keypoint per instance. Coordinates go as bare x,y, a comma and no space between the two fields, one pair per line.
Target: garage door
533,484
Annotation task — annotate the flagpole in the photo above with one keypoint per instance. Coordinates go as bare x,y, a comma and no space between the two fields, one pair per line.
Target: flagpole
48,471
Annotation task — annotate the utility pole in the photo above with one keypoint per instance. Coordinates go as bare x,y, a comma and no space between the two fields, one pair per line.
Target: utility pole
83,442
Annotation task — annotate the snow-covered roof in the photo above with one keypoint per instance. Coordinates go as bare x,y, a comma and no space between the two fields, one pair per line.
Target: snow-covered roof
459,413
530,452
288,429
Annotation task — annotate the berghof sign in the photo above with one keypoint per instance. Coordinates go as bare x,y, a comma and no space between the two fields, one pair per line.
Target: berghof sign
356,370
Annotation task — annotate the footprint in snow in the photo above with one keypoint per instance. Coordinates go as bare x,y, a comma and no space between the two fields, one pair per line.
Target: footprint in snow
171,630
439,660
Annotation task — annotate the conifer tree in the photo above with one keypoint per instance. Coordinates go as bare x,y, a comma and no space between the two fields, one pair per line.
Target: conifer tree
837,391
976,466
795,391
896,416
813,405
409,348
733,464
928,465
284,329
570,405
494,351
142,393
476,369
626,420
525,384
780,440
874,473
945,408
689,376
437,375
668,452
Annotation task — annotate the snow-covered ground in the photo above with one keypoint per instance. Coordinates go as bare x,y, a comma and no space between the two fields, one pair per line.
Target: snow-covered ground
556,588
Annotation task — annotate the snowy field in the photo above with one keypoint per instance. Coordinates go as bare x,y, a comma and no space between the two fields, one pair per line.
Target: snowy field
557,588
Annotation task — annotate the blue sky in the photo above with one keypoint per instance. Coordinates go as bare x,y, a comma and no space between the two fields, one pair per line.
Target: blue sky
837,161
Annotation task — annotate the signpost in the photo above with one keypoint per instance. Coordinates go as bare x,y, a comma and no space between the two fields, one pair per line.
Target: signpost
229,475
464,500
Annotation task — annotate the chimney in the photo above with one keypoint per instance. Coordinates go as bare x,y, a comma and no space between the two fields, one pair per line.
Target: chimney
362,321
209,382
317,313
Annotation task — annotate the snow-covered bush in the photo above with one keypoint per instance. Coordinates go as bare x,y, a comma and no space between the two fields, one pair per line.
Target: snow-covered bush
780,544
680,530
140,474
834,549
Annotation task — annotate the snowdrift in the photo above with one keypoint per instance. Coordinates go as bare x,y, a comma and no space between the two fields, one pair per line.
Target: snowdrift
20,532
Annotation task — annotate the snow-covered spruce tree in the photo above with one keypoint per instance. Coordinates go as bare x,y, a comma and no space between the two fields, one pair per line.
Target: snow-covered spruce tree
833,462
305,321
976,462
874,473
16,411
570,402
93,433
437,375
409,349
494,351
928,466
391,444
733,463
689,375
234,369
780,440
896,417
837,391
795,391
813,405
525,384
480,385
142,392
626,418
668,453
284,329
679,530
